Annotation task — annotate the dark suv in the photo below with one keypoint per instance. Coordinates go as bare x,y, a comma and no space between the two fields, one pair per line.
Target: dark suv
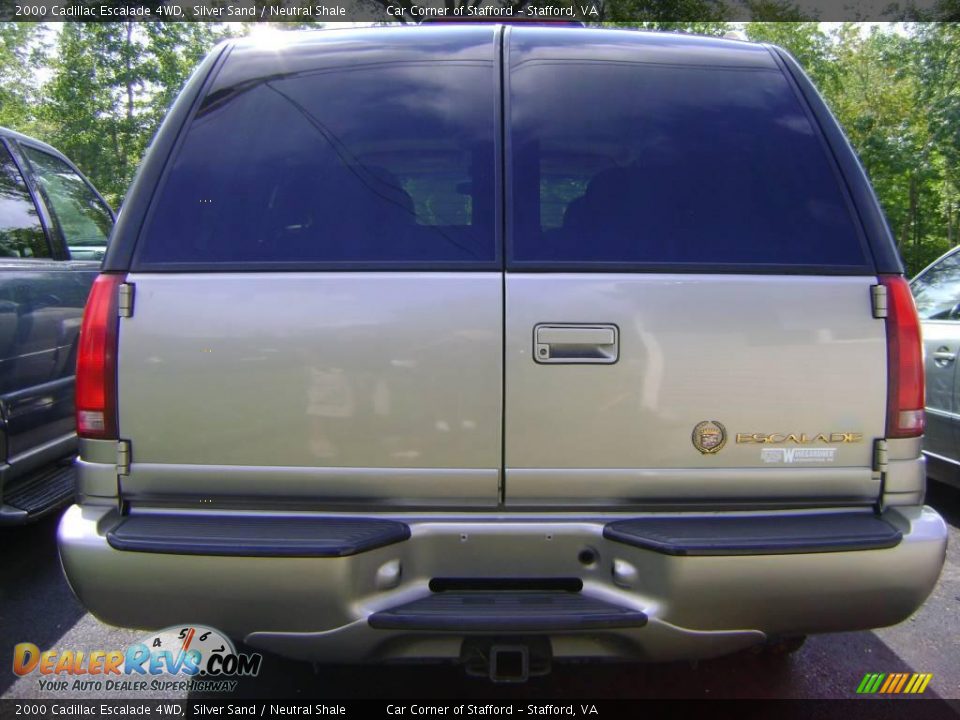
53,235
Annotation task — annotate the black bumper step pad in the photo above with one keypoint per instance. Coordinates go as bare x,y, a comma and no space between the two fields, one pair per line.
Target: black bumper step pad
254,536
513,611
767,535
42,491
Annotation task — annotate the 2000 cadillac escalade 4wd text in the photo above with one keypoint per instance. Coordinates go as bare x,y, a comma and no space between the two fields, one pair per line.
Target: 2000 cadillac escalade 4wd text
502,344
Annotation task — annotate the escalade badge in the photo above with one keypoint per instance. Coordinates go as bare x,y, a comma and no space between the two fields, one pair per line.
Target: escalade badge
709,437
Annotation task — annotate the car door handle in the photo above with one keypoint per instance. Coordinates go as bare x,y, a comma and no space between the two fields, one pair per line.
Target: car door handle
576,343
943,357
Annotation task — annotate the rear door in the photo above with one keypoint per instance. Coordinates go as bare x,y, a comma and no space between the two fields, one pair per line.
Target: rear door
937,292
688,297
318,289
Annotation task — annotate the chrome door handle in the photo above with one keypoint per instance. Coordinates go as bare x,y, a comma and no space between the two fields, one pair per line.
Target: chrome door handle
943,357
569,343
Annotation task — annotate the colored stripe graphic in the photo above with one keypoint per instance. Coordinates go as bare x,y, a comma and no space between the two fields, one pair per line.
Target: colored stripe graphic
918,683
870,683
894,683
903,681
891,681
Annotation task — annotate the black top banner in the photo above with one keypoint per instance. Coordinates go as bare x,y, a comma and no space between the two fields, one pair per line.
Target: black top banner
417,11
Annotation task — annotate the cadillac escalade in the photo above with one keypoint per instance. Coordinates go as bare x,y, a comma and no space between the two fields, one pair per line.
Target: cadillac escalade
501,344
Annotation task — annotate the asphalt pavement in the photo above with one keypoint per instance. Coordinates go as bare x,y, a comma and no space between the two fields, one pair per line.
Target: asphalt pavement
37,606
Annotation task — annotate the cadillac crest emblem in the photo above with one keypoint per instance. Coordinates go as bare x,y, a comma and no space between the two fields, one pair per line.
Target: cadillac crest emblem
709,437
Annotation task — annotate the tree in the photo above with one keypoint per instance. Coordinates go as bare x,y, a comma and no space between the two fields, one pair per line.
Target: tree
20,49
935,60
111,86
879,101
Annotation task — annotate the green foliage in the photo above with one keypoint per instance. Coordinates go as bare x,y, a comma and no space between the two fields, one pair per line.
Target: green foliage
110,87
20,48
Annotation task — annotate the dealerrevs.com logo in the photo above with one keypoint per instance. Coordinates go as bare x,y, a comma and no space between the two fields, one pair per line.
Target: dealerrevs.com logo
183,657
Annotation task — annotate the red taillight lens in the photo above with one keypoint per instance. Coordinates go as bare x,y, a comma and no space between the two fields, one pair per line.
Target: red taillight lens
97,361
905,389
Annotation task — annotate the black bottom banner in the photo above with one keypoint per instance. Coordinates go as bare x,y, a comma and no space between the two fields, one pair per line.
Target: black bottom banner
893,709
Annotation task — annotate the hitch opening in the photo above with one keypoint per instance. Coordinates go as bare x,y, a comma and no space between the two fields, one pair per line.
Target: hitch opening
509,663
506,658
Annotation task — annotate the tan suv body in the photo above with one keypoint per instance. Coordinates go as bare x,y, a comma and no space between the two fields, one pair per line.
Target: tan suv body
430,342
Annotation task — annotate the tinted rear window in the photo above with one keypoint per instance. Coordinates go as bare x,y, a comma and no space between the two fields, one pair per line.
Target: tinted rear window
937,291
647,163
380,165
83,218
21,235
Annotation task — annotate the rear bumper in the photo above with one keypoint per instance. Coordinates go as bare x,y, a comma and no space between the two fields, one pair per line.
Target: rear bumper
692,605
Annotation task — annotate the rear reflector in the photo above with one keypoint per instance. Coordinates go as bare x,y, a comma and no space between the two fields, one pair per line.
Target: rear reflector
97,361
905,388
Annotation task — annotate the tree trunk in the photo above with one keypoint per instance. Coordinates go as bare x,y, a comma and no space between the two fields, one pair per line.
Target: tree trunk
129,78
951,223
914,217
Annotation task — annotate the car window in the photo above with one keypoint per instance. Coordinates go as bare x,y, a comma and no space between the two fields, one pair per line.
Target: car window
83,219
937,291
376,165
645,163
21,234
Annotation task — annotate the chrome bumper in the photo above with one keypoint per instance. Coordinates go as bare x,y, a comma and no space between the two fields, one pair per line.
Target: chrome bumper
318,607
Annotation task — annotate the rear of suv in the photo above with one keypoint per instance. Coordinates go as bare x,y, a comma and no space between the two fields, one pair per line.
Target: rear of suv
451,342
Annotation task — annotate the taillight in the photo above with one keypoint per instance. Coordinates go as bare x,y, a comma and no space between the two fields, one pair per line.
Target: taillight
97,361
905,390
